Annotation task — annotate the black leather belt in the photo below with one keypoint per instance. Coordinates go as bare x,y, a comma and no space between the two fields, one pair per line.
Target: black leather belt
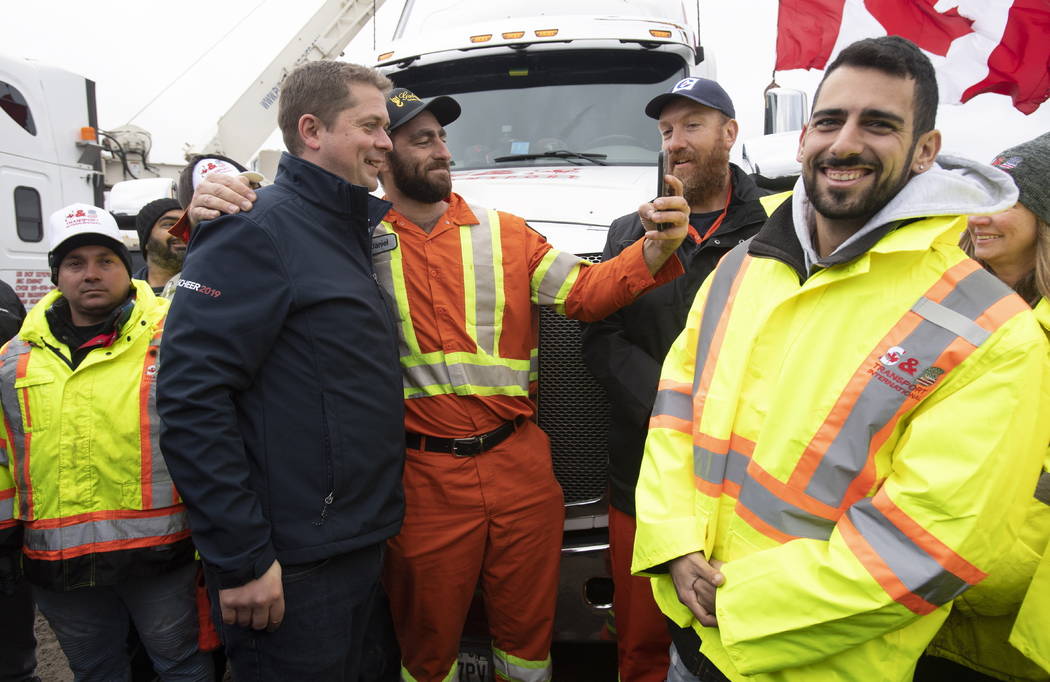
462,447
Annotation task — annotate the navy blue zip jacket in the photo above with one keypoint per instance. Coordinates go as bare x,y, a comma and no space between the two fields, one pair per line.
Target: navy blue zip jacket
280,389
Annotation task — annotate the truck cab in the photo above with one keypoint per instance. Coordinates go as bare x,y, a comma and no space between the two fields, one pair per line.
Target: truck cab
48,159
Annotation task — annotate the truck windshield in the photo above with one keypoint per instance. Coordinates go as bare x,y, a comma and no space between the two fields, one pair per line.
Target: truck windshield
550,108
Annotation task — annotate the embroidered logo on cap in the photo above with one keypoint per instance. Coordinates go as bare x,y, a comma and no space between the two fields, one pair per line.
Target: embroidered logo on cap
685,84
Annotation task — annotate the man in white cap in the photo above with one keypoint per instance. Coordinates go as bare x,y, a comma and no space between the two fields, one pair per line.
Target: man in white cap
90,504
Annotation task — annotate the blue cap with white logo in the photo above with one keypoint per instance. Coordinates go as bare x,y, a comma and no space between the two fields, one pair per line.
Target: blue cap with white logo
702,90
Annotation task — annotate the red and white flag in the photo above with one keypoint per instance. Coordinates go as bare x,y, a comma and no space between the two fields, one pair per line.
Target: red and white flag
976,46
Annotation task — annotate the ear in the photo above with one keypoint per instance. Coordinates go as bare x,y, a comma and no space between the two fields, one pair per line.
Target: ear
926,150
731,129
801,144
310,128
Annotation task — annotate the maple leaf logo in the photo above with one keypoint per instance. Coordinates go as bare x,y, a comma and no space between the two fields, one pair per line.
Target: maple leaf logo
920,22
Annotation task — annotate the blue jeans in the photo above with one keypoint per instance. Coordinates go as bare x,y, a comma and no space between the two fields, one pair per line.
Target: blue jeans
91,624
327,605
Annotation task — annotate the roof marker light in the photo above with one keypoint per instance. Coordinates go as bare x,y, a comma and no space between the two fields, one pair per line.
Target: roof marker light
481,38
546,33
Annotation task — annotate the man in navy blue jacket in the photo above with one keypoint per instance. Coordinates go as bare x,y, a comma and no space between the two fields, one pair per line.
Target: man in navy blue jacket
281,393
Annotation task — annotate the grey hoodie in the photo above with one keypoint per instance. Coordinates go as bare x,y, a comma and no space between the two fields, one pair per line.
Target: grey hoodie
953,186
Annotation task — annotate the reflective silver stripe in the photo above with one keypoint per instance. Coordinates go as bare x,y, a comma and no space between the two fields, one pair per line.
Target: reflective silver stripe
920,573
706,464
106,530
947,318
1042,489
7,509
715,306
673,403
714,467
549,291
881,398
384,269
783,515
518,669
16,446
462,377
480,281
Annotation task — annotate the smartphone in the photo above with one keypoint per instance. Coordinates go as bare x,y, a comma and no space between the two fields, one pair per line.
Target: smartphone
662,189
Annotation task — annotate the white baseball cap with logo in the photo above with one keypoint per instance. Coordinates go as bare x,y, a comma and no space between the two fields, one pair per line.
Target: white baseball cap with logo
208,165
78,225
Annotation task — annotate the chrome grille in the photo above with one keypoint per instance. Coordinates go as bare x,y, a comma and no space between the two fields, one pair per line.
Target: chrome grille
572,408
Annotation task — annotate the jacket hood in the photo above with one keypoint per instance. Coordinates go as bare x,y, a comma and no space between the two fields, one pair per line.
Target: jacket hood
953,186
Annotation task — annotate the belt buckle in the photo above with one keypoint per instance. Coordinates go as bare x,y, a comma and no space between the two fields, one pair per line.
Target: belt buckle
468,447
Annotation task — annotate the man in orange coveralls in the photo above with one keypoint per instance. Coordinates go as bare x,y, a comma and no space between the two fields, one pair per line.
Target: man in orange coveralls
480,494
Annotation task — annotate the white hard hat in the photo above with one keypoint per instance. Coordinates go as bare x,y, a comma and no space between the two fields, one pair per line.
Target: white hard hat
80,224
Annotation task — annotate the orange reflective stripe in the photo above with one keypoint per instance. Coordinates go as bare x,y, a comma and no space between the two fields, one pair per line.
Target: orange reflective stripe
107,515
997,315
664,421
26,498
721,310
945,555
955,274
880,571
107,546
145,430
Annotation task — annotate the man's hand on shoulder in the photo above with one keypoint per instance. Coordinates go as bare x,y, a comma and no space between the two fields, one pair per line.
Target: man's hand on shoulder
672,211
218,194
695,581
258,604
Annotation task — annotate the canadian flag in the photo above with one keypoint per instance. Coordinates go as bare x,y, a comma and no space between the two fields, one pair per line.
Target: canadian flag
976,46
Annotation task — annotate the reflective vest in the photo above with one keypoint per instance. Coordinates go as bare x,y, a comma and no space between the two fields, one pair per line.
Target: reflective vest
81,447
835,442
492,366
1002,626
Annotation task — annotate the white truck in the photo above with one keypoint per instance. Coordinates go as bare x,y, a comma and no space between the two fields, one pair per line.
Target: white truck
48,159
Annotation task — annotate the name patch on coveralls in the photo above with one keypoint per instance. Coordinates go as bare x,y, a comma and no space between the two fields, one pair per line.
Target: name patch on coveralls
383,243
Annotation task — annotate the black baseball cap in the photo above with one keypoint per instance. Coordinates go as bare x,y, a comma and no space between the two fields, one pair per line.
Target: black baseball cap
702,90
402,105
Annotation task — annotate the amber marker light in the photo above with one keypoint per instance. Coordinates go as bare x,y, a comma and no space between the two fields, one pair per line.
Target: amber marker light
87,134
385,56
658,33
513,35
547,33
481,38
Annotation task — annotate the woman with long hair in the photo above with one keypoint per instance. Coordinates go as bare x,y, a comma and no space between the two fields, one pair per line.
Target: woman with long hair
998,629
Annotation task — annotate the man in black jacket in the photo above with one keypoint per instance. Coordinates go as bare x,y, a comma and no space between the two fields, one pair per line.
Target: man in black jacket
281,391
625,350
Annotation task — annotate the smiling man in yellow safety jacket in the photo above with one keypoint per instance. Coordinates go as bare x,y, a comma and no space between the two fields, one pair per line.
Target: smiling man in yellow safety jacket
850,403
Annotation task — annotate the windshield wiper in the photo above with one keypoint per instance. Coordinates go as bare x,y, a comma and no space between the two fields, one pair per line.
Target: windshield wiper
556,154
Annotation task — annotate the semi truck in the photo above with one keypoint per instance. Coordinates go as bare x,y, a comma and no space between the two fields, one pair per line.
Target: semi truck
49,158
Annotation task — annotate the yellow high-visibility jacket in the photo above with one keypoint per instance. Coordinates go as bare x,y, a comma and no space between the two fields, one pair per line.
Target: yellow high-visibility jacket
984,630
839,443
88,485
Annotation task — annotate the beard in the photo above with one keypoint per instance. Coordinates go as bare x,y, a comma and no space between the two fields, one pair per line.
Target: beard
844,204
164,255
414,181
708,177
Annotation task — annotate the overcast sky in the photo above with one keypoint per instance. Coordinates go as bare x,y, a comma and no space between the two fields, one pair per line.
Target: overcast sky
193,58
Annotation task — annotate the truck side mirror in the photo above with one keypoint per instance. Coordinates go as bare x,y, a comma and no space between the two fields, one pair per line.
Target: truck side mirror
786,109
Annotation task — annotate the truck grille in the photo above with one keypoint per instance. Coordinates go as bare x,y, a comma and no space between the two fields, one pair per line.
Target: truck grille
572,408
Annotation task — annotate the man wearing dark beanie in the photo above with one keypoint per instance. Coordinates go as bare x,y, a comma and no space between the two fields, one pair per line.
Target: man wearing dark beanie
162,252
